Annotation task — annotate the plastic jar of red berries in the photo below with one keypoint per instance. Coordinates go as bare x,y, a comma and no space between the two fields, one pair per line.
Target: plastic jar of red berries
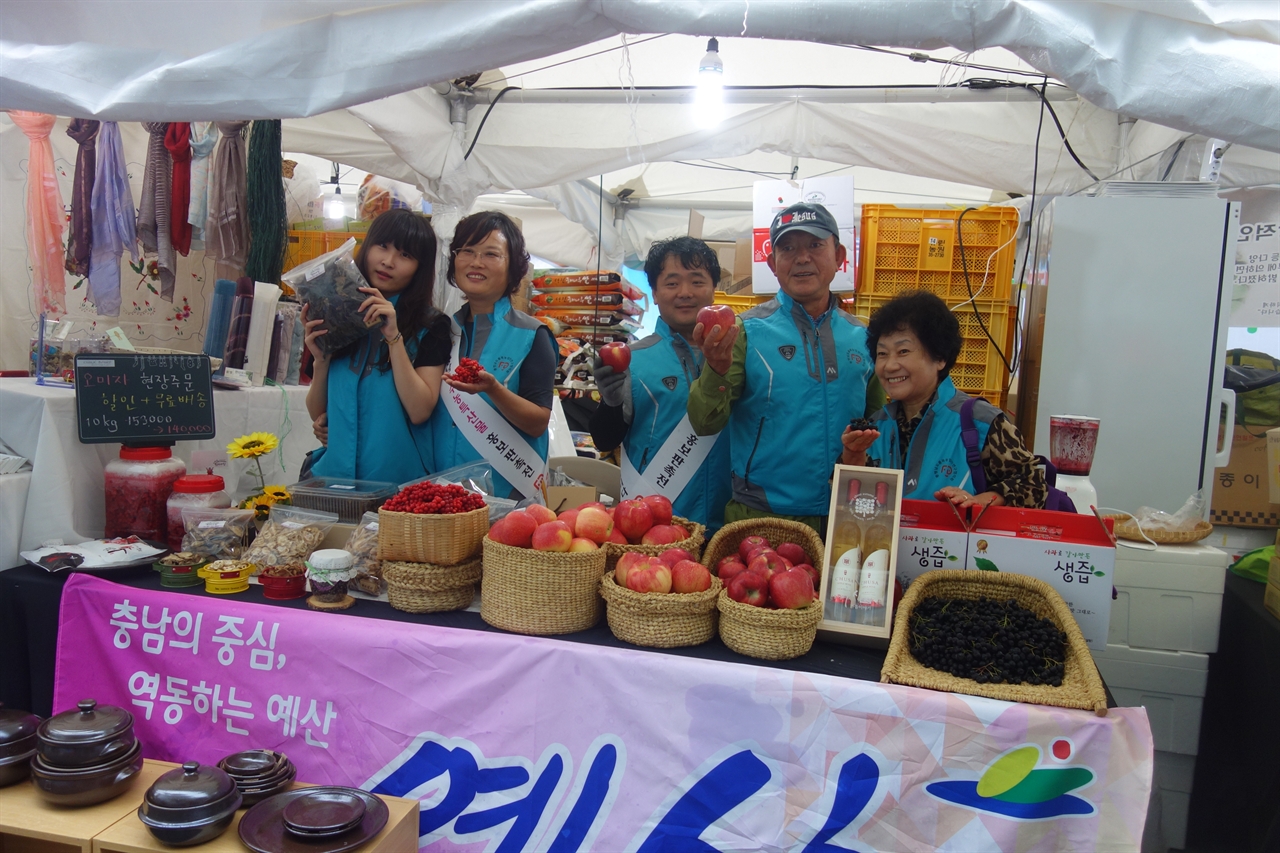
193,491
138,485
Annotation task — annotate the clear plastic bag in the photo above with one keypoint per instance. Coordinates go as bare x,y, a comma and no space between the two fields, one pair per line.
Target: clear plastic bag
1184,520
218,534
363,546
330,287
291,533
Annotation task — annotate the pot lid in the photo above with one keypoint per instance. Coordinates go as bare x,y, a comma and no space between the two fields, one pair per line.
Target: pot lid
190,786
91,722
17,725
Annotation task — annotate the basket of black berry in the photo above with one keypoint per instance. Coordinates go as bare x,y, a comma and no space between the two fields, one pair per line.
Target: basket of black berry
1000,635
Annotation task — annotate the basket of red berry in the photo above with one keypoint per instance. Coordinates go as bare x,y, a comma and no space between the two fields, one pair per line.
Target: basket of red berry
432,523
995,634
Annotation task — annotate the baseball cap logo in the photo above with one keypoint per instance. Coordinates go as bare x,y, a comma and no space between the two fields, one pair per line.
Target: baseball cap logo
786,218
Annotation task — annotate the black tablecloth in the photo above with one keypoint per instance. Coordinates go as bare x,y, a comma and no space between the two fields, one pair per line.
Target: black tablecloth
1235,794
30,597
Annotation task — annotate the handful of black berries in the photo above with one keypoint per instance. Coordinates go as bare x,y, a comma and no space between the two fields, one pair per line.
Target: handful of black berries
992,642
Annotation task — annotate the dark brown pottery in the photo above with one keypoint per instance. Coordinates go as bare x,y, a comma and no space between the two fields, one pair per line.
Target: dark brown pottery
88,786
190,805
92,735
262,829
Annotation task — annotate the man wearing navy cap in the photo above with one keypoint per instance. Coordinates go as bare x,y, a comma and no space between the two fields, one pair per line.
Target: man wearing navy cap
787,377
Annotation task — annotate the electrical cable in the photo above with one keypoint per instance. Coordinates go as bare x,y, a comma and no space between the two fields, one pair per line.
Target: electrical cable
976,313
980,83
1019,337
917,56
492,104
1173,159
589,55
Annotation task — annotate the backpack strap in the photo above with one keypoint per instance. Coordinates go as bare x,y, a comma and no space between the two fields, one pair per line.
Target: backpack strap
973,454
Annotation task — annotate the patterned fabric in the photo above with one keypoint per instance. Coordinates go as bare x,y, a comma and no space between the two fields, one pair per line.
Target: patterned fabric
44,213
80,246
226,233
153,214
203,137
113,221
1011,469
178,140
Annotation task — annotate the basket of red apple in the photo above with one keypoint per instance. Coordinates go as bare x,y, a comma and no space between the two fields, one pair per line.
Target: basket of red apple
646,526
769,608
662,602
541,578
428,588
429,523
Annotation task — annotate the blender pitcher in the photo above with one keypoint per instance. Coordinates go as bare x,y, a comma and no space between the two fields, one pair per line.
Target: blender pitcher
1072,442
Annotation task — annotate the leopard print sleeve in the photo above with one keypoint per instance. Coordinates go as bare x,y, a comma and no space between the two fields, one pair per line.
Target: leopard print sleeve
1011,469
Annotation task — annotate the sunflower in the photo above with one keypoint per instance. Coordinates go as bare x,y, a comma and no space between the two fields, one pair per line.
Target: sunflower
278,494
253,444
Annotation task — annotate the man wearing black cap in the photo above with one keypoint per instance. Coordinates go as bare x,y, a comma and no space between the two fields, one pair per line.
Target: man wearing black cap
787,377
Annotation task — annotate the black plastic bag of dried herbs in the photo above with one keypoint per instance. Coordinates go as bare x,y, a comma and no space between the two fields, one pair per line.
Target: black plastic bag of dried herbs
330,288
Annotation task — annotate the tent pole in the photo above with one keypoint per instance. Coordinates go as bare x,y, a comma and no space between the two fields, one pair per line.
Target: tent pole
766,95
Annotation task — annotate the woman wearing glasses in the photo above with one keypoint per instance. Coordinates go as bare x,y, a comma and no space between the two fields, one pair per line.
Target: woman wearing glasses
517,356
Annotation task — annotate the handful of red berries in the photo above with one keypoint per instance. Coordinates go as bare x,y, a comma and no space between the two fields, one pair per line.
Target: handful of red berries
467,371
432,499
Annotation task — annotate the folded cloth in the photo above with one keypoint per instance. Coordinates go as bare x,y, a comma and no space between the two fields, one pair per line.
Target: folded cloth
238,332
79,246
287,312
273,354
294,376
44,213
219,319
114,221
257,351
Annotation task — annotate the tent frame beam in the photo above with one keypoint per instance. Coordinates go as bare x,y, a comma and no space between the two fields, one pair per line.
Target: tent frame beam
770,95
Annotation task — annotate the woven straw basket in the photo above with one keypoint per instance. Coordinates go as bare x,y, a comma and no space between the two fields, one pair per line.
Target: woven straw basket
1127,528
540,592
775,530
759,632
428,588
660,620
444,540
1081,685
697,535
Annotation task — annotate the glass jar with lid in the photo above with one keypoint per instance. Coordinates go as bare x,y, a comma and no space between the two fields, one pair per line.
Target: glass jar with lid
193,491
138,485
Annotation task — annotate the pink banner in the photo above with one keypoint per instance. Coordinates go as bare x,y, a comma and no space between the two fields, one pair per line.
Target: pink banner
520,743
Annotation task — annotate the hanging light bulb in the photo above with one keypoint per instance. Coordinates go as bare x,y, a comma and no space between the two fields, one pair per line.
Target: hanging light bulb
708,100
334,206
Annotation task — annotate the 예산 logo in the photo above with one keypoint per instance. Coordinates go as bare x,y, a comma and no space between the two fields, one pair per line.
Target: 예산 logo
1013,786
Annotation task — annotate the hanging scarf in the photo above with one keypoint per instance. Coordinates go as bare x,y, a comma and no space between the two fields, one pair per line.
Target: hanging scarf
267,216
226,235
203,137
153,216
85,133
178,140
113,221
44,213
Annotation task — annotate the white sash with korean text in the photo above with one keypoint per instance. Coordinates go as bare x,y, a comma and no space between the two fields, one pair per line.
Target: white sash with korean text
490,435
672,467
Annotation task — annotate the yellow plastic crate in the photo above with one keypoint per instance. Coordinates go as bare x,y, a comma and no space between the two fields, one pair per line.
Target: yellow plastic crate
905,249
979,370
302,246
740,302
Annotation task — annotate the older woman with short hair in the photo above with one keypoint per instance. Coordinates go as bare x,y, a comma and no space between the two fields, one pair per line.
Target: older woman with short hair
915,340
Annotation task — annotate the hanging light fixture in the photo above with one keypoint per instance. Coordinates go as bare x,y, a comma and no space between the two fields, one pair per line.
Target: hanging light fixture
708,100
334,206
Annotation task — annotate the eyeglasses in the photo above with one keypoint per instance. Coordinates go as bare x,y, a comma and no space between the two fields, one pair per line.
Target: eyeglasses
489,257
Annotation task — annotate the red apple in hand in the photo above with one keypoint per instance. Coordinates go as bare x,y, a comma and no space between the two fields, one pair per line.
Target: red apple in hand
716,315
633,518
792,552
688,576
750,542
660,507
750,588
791,589
616,355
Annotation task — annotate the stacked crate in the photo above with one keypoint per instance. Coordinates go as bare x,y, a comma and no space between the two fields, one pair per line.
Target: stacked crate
906,249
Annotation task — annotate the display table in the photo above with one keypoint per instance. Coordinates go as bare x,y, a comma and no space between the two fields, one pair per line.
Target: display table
600,744
28,824
1235,793
65,497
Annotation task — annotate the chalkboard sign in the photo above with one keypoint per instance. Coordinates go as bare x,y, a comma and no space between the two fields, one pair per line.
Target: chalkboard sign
140,398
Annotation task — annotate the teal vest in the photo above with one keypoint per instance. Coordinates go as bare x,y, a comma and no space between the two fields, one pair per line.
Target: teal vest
370,434
663,365
804,383
500,342
936,455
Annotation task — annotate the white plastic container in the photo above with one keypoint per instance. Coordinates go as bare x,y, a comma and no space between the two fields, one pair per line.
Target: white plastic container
1172,778
138,485
194,491
1170,685
1168,598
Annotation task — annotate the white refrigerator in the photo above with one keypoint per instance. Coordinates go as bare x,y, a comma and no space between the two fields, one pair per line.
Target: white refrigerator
1136,301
